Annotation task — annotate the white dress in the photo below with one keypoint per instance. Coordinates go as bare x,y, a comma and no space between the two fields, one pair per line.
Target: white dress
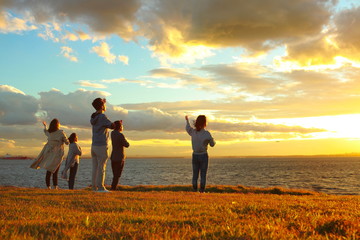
52,153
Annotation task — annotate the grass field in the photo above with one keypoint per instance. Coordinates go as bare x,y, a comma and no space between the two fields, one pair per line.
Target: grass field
174,212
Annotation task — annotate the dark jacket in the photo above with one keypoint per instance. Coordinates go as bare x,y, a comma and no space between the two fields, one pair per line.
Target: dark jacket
118,143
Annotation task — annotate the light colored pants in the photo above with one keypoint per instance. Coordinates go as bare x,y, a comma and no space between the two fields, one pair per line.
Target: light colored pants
99,156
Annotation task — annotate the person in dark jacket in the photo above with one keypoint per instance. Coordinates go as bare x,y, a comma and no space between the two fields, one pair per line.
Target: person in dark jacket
117,157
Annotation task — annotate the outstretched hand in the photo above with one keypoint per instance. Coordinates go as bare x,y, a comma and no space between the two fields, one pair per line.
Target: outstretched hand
186,118
44,123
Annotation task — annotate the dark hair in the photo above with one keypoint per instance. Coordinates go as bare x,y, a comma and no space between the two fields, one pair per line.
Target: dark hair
98,103
200,122
54,125
72,137
118,125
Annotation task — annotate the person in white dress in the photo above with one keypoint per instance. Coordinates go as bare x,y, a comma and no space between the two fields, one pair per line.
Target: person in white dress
52,154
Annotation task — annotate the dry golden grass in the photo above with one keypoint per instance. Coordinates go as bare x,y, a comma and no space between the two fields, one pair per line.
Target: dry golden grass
174,212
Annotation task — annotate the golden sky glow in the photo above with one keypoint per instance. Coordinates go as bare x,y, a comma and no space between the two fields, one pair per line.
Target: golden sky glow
274,77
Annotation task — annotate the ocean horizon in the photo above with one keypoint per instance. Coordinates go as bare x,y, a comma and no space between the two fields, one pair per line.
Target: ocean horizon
327,174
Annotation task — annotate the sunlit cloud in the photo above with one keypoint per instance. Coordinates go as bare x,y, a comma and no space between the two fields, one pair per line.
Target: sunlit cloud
11,89
104,51
71,37
146,83
185,31
49,32
115,80
86,83
175,25
9,23
83,36
124,59
67,53
6,144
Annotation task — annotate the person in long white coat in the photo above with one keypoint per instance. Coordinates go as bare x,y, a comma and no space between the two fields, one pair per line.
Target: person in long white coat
52,154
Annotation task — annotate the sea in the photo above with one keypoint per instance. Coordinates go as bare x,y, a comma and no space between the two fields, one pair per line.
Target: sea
331,175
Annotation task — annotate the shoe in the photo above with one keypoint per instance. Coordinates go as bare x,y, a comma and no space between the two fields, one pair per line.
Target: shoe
103,191
48,187
56,188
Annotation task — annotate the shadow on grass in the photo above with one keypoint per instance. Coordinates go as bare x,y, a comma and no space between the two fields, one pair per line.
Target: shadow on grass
216,189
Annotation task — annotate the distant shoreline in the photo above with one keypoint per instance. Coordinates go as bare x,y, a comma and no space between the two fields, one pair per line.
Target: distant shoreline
16,158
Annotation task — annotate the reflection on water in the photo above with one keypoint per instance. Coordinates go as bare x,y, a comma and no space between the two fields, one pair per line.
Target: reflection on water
328,175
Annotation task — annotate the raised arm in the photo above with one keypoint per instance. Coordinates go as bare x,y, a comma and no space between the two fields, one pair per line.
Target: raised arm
65,138
188,128
45,130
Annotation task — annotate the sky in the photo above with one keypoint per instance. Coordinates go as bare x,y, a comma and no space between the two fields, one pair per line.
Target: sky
273,77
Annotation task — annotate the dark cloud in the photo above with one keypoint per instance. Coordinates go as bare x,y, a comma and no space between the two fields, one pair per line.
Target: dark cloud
171,25
16,107
104,17
256,24
348,32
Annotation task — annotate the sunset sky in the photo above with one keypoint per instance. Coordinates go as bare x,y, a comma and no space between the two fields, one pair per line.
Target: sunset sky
274,77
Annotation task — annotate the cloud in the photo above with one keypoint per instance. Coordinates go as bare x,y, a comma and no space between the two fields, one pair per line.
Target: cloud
183,31
10,89
83,36
67,53
72,109
124,59
71,36
348,33
236,79
173,25
6,144
9,23
292,94
144,123
115,80
49,31
261,128
85,83
182,76
17,107
146,83
114,17
78,35
104,51
333,48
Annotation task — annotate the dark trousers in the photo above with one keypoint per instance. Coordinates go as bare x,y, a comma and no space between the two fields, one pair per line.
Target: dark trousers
117,168
200,165
54,177
73,171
